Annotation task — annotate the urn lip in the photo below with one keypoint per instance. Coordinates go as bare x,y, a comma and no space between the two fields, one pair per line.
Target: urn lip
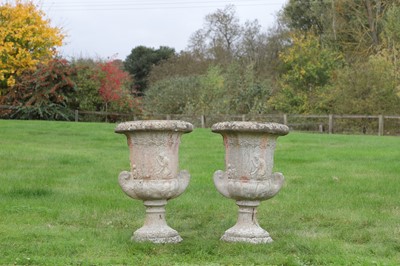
154,125
249,126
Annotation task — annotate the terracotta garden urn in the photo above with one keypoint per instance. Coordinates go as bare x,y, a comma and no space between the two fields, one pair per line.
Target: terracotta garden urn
154,177
248,178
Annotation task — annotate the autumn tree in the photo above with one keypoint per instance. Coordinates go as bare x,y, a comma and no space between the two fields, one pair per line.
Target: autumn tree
114,87
26,39
42,93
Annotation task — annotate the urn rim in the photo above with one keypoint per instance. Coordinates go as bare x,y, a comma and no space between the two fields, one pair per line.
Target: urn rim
154,125
250,126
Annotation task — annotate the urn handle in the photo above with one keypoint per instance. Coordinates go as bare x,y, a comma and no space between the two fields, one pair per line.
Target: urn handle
275,185
183,182
221,182
124,180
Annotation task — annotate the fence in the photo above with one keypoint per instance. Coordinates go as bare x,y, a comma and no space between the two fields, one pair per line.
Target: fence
345,124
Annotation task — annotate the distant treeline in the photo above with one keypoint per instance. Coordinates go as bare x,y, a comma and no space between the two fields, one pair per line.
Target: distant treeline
321,57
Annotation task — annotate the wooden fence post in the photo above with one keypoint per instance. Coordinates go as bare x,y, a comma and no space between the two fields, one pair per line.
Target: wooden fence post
285,119
76,116
330,125
380,129
203,121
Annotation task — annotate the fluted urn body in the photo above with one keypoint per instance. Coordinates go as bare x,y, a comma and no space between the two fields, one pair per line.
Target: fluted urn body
154,177
248,177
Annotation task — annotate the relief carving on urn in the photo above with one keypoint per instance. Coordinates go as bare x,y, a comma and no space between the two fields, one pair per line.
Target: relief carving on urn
154,176
248,177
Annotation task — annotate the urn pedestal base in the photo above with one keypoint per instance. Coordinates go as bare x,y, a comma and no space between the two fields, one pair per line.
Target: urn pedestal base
247,228
155,228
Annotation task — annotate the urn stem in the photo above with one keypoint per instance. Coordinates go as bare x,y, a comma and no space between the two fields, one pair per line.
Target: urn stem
155,213
247,212
155,228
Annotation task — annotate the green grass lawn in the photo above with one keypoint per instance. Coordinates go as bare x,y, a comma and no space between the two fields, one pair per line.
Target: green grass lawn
60,202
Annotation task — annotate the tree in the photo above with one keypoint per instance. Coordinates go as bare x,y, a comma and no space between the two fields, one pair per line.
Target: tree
87,82
232,89
306,15
391,26
391,37
223,40
172,95
140,62
219,36
113,85
353,27
308,68
211,98
365,33
359,26
44,93
252,40
367,87
245,91
197,94
184,64
26,39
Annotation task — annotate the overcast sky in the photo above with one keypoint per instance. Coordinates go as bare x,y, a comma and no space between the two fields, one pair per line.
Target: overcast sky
110,29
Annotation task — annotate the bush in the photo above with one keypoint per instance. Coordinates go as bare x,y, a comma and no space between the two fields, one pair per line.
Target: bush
43,93
175,95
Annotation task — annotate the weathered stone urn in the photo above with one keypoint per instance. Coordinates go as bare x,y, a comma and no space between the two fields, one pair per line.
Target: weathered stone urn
248,176
154,176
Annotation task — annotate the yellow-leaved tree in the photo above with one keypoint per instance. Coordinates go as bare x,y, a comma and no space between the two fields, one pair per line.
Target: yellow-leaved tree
26,38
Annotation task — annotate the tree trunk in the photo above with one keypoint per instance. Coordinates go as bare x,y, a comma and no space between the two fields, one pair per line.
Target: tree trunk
372,24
